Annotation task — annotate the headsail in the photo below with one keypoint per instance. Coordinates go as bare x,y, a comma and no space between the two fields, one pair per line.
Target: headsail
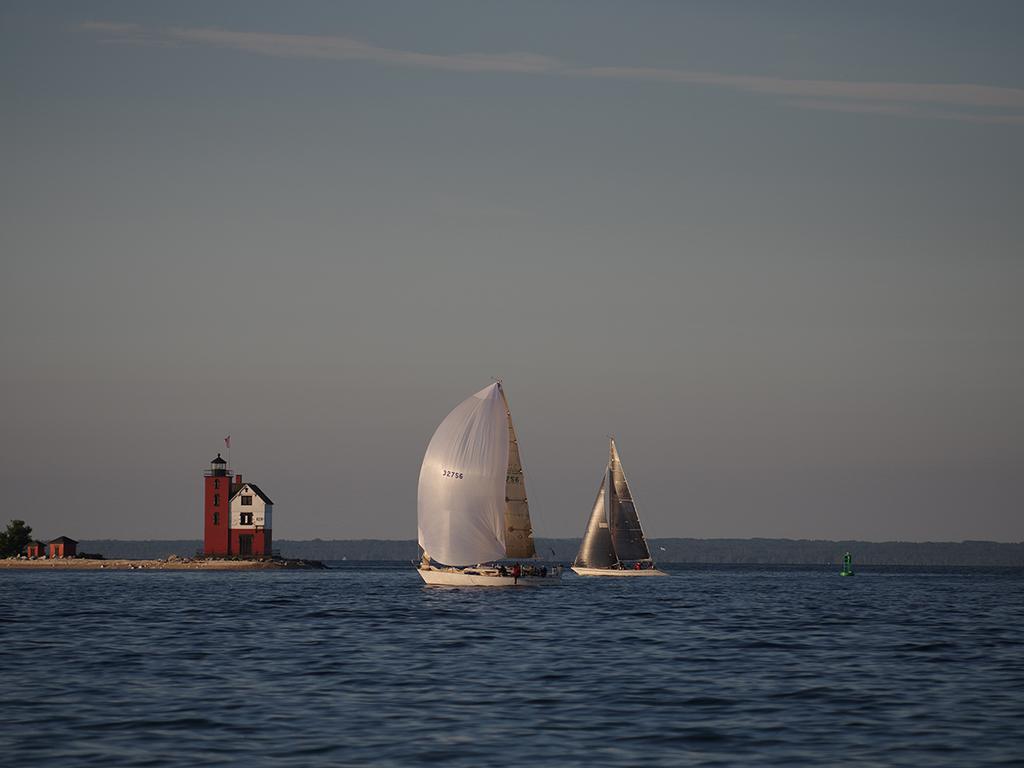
596,550
461,498
627,535
518,528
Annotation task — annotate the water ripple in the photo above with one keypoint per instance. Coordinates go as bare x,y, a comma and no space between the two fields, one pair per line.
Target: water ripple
363,665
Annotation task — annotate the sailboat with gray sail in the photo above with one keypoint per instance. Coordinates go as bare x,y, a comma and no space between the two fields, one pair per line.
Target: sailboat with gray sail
614,543
472,508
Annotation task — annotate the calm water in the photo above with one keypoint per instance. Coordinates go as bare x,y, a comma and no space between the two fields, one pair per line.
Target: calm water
363,665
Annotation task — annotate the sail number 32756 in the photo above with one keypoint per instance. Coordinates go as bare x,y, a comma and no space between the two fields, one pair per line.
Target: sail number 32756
449,473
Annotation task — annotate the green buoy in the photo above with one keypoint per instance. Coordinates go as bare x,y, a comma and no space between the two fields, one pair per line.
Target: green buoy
847,565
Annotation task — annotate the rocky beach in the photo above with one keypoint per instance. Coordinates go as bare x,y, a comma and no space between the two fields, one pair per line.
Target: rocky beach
172,563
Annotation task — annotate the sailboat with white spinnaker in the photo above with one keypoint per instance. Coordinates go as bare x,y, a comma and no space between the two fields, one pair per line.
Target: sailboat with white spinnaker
472,508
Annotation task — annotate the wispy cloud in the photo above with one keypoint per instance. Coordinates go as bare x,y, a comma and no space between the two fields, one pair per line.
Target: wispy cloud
346,48
938,93
947,101
320,47
907,110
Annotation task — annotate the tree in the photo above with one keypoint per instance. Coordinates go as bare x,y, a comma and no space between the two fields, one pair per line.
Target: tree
14,539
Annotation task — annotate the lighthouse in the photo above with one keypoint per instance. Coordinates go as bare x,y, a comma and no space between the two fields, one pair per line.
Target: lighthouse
237,516
216,509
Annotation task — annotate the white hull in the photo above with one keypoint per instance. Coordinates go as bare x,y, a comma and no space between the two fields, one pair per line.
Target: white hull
484,577
617,571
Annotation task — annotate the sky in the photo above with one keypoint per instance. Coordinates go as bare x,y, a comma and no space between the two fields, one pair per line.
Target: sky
774,248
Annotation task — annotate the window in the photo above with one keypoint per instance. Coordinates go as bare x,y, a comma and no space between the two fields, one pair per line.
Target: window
216,518
216,483
216,499
247,501
245,518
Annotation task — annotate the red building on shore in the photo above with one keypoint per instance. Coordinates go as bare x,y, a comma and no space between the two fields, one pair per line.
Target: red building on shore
35,548
62,546
237,516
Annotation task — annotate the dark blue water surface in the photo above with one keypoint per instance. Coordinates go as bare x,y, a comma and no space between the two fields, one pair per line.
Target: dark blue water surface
364,665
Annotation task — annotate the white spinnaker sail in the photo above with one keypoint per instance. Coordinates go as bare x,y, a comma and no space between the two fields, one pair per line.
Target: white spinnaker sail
461,499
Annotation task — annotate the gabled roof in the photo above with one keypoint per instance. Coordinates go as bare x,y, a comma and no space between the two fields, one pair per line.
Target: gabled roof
255,489
63,539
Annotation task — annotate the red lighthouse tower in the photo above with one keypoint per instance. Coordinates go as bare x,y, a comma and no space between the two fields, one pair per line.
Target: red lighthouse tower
216,509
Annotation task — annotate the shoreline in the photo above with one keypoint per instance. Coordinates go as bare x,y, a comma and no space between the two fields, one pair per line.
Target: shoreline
666,550
169,564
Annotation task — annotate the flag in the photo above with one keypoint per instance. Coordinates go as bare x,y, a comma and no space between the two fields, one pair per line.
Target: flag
227,441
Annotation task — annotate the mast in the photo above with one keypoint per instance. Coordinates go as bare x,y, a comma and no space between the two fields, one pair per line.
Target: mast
518,527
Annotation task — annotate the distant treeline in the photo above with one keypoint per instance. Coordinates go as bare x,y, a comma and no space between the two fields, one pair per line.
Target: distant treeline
741,551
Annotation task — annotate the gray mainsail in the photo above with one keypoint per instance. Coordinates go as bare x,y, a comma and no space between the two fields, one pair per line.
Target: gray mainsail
613,533
596,550
627,535
518,528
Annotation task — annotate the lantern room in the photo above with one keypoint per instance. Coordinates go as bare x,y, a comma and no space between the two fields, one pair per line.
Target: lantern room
218,468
